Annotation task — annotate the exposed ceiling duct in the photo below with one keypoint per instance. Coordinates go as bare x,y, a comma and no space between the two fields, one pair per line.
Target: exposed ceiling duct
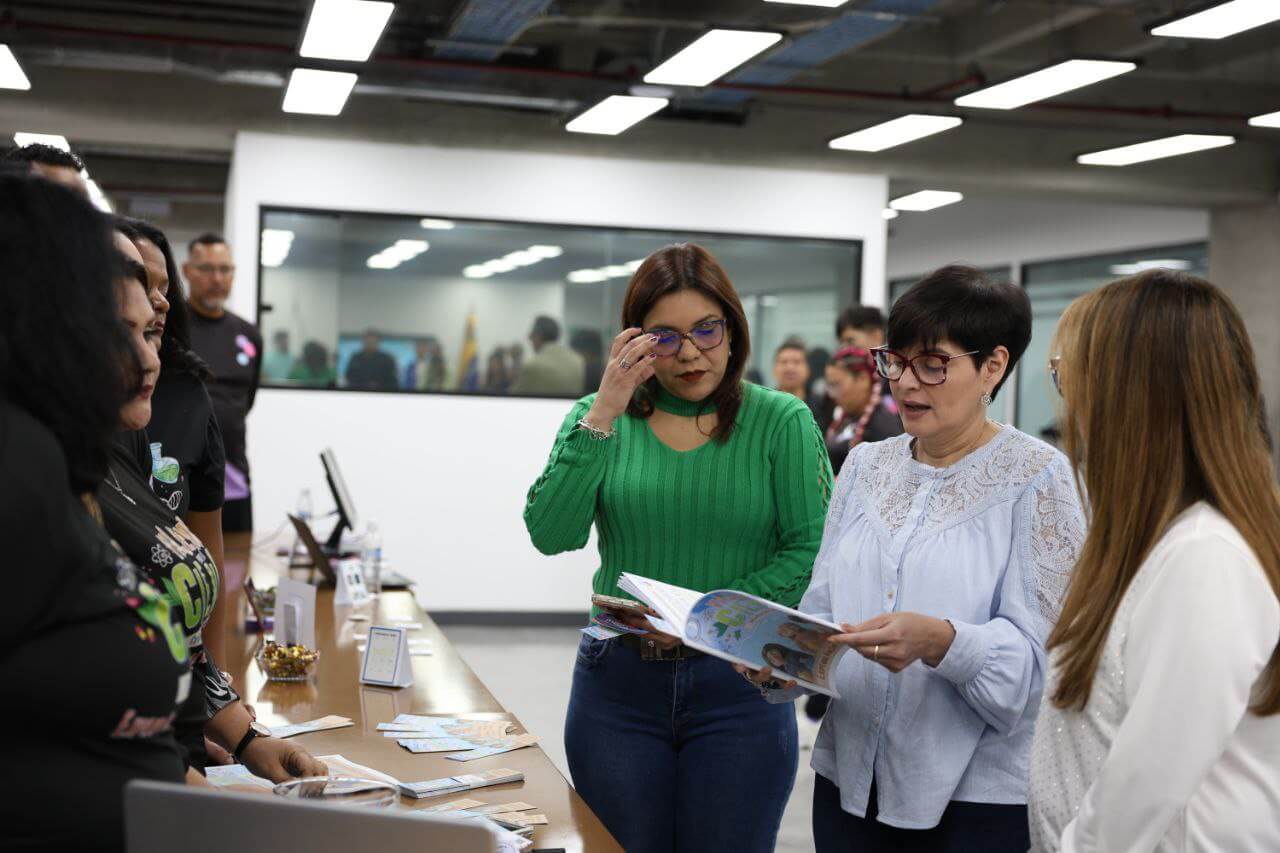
850,30
483,28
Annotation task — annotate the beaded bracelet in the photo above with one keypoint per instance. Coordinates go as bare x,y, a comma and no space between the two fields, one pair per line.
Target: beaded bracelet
594,431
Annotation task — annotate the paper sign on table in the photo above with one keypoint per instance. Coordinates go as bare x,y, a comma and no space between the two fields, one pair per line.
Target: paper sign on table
295,619
501,745
332,721
386,660
351,590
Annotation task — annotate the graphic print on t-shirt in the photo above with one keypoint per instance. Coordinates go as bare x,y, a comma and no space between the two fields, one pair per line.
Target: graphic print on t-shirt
166,474
151,607
192,582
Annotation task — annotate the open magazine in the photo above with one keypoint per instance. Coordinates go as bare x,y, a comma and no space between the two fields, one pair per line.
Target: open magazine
744,629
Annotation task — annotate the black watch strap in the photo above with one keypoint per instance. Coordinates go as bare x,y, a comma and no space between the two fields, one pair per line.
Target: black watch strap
244,743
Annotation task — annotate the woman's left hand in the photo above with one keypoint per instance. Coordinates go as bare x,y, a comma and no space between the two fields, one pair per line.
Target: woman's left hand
279,760
897,640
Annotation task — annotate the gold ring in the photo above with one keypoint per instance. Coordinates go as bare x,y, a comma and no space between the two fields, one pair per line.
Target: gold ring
875,655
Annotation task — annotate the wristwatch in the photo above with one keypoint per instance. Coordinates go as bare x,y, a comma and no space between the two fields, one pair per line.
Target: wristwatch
256,730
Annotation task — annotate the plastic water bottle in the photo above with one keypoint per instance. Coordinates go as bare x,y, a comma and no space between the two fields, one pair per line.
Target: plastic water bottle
371,558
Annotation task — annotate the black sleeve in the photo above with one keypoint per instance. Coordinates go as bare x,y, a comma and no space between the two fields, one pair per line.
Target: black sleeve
36,507
256,337
883,424
206,478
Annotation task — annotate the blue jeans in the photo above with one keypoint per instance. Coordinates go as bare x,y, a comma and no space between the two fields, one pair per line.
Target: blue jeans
677,756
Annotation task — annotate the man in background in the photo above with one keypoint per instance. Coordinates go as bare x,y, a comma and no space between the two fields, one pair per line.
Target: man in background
554,369
279,362
861,326
54,164
791,368
371,369
232,347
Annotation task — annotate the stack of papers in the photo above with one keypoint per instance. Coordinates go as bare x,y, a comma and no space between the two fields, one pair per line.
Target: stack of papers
220,776
458,784
471,738
332,721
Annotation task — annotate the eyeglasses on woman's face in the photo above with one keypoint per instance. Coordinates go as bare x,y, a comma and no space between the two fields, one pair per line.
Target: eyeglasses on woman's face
930,368
706,335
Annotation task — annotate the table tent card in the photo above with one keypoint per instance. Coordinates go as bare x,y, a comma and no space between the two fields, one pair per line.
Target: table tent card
386,658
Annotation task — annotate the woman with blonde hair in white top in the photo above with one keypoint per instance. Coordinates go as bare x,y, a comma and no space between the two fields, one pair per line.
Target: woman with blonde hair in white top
1160,729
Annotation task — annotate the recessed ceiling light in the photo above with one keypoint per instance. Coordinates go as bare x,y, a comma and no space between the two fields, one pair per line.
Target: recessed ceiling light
24,139
1268,120
381,261
889,213
827,4
437,224
1045,83
477,271
925,200
632,266
500,266
11,74
1225,19
711,57
616,270
899,131
315,92
344,29
545,251
615,114
275,244
1156,149
586,276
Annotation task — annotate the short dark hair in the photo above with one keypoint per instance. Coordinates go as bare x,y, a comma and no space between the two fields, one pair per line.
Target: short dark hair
208,238
45,155
371,332
546,328
64,356
860,317
790,343
961,304
176,354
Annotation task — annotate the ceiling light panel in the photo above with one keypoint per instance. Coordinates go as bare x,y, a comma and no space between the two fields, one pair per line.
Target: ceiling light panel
275,245
925,200
314,92
899,131
437,224
826,4
711,57
513,261
345,29
1045,83
1221,21
11,73
1268,120
1156,149
24,139
615,114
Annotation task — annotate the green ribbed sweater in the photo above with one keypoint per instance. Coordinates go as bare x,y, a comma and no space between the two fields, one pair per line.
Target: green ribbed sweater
746,514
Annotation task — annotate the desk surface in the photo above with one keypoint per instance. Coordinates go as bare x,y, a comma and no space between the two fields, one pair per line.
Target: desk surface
443,685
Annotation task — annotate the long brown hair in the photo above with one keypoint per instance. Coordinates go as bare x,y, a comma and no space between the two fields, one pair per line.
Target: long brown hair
688,266
1162,408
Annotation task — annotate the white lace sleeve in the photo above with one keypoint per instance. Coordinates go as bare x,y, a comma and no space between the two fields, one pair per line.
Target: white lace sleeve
1054,534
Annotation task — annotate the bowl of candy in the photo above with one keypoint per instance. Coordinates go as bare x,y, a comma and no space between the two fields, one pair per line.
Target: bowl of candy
287,663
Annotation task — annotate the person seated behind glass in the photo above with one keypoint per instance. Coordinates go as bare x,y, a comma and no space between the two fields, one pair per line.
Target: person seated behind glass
313,368
277,363
497,376
790,368
554,369
589,344
371,369
427,371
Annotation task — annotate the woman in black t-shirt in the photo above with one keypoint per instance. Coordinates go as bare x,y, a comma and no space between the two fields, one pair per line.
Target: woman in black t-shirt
176,561
185,457
91,665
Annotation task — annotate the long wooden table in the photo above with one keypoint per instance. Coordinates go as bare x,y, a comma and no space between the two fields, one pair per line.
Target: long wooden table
443,685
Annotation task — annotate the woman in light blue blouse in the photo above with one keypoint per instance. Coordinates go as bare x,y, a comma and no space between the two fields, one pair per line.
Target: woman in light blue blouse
945,554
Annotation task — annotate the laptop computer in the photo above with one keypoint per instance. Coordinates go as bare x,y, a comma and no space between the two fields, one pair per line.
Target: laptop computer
320,560
226,821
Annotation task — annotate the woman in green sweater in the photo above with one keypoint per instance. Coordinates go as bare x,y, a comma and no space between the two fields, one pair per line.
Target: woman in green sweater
694,477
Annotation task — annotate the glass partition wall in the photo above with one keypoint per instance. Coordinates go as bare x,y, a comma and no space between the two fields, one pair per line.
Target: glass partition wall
407,303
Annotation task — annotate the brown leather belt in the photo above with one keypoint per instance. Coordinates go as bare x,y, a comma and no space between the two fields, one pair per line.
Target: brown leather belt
649,650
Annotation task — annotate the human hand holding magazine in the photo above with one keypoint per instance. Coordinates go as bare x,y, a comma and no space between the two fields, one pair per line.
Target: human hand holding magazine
745,630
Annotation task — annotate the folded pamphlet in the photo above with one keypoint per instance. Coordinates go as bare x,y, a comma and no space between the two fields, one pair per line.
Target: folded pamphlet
330,722
745,630
457,784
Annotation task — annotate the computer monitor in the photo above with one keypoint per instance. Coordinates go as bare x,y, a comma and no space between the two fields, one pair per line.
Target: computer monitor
347,518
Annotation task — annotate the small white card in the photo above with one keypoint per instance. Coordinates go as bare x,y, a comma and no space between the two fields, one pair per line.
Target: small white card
351,590
295,619
386,658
